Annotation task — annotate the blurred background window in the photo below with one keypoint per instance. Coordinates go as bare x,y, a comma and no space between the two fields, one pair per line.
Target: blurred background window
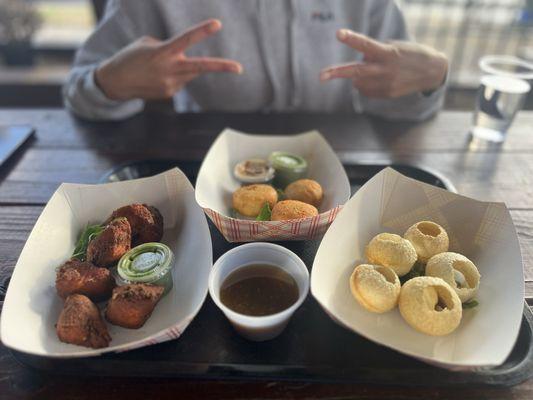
65,23
34,67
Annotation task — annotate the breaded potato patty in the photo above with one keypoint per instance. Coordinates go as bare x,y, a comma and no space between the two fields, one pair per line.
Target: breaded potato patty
146,222
82,277
292,209
115,241
248,200
306,190
80,323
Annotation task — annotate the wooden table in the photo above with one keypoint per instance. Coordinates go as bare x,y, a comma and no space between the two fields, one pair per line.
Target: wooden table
69,150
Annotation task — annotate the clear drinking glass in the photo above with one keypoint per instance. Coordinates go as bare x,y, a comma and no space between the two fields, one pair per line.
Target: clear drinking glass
501,95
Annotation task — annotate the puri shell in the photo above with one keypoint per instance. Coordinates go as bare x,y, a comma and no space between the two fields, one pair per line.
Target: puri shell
391,251
457,271
428,239
375,287
430,306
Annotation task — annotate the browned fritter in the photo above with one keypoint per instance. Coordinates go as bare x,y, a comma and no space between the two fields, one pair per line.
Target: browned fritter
146,222
80,323
115,241
131,305
82,277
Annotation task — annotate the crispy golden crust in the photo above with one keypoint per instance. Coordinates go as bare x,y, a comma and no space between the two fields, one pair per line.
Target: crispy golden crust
445,265
82,277
428,239
430,306
391,251
111,244
375,287
146,222
306,190
292,209
80,323
131,305
248,200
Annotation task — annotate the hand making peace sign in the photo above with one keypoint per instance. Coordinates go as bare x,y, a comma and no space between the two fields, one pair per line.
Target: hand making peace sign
391,69
153,69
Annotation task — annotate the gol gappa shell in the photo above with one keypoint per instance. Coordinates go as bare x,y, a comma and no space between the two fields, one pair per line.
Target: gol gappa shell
375,287
428,239
392,251
418,300
443,266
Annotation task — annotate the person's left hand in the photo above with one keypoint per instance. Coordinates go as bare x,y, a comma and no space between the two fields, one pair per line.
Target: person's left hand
389,70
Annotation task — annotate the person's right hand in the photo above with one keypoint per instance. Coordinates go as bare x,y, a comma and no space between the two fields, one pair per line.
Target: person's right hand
154,69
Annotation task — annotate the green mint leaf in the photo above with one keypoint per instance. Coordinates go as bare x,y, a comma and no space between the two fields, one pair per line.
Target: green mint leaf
470,304
265,213
89,233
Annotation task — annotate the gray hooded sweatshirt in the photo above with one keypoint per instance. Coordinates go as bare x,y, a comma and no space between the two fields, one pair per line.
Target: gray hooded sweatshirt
282,45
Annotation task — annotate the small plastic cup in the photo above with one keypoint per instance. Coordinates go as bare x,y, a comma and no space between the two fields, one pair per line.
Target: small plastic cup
259,328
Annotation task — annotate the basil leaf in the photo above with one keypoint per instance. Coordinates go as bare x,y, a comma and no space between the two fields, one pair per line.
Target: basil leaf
281,194
470,304
265,214
89,233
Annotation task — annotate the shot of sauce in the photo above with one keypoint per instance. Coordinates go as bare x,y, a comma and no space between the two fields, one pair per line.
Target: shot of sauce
258,290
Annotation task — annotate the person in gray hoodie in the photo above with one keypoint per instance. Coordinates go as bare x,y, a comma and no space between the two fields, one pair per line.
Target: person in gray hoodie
272,55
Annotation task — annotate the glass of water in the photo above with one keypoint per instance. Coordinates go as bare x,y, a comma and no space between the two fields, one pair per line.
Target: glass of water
501,95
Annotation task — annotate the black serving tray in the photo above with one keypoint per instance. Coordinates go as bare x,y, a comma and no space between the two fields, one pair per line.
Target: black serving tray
312,348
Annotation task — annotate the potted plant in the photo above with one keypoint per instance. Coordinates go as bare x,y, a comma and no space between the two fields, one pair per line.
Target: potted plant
18,23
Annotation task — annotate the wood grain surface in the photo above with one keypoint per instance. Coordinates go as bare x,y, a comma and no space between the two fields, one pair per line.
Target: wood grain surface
67,149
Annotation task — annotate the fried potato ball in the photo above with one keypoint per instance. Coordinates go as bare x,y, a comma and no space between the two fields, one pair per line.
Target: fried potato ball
82,277
248,200
80,323
146,222
430,305
457,271
115,241
375,287
391,251
306,190
292,209
428,239
131,305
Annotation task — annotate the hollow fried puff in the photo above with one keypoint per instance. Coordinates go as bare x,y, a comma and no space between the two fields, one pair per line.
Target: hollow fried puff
80,323
131,305
82,277
146,222
114,241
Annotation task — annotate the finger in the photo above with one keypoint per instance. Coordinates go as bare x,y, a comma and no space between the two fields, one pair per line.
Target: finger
192,36
371,48
351,71
207,64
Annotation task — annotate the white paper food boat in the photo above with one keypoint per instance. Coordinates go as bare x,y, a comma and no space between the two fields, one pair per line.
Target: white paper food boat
31,307
216,184
484,232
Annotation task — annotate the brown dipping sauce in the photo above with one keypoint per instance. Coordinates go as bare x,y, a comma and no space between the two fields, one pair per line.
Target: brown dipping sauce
259,289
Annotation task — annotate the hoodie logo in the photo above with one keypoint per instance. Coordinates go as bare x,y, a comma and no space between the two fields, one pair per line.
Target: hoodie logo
322,16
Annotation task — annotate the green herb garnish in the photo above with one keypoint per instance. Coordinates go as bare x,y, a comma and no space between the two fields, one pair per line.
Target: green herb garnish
89,233
265,214
417,270
470,304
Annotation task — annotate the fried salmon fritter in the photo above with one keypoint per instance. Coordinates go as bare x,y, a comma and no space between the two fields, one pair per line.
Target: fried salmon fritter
131,305
82,277
146,222
115,241
80,323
